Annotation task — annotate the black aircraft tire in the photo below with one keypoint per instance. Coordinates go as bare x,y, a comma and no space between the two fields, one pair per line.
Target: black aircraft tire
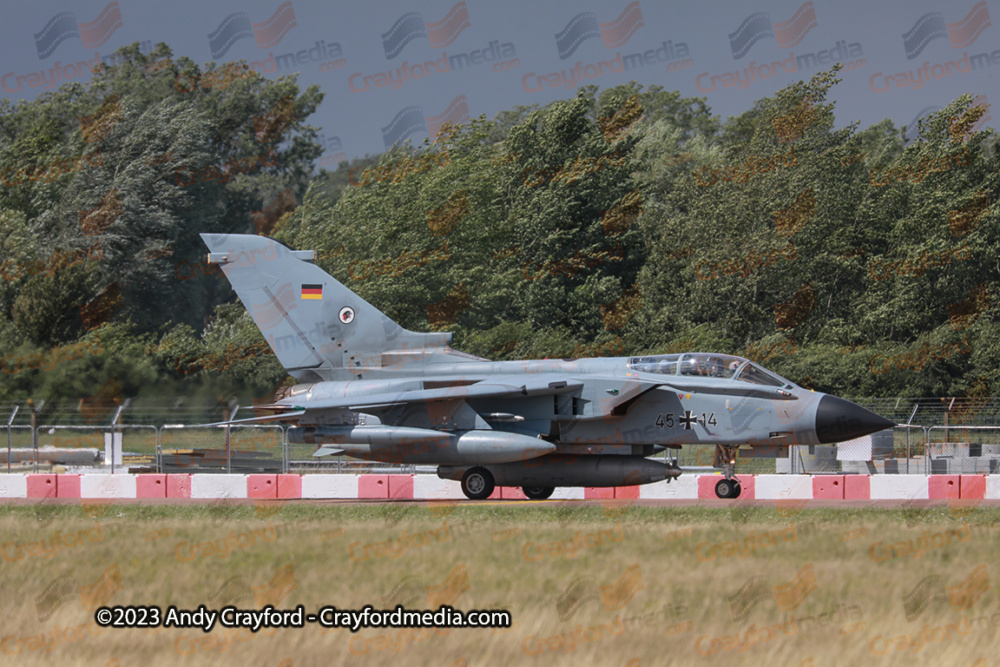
538,492
724,488
735,493
477,483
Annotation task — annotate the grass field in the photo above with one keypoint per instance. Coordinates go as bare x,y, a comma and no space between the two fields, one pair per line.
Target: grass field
586,584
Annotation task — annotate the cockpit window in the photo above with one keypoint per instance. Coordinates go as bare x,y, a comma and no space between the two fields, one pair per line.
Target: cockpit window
710,365
757,375
697,365
664,364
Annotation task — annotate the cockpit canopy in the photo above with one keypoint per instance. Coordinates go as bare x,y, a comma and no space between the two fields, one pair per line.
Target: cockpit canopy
699,364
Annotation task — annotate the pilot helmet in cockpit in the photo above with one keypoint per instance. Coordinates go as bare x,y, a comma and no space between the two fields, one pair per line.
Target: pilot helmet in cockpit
689,366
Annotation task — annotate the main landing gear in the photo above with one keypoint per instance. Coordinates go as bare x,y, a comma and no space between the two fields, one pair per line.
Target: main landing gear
725,458
478,483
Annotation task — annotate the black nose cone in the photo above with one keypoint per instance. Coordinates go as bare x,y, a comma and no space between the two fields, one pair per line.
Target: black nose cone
838,420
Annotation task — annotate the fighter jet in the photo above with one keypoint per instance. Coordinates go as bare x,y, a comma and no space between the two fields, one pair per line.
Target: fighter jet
372,390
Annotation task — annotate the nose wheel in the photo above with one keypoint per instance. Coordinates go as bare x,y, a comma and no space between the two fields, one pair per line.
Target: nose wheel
725,458
727,488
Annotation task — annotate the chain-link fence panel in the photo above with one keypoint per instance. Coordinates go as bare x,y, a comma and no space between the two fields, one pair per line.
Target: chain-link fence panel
19,450
73,448
960,410
896,450
137,444
238,449
955,450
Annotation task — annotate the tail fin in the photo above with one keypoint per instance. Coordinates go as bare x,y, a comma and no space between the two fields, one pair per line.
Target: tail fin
319,329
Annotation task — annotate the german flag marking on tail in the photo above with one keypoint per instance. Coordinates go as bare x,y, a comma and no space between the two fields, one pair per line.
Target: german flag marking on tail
312,292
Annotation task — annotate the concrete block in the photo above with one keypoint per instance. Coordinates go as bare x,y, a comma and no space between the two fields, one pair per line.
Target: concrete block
972,487
68,486
857,487
41,486
432,487
373,486
899,487
783,487
828,487
943,486
218,486
151,485
627,492
263,487
568,493
13,485
179,485
992,487
107,486
684,487
329,486
289,487
401,486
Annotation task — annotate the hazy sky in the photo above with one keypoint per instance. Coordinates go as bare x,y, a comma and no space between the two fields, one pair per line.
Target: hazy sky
397,69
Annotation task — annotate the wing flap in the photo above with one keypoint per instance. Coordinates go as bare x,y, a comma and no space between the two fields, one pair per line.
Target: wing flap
496,387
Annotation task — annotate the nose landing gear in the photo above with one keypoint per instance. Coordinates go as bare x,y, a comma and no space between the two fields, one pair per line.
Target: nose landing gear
725,458
727,488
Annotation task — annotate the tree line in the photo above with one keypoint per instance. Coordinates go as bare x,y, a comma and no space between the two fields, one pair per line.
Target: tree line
631,220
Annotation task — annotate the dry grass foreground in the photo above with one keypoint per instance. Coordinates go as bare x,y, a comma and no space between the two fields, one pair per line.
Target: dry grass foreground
587,585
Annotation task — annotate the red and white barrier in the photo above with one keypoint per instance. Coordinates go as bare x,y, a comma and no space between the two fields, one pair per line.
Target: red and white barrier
684,487
330,486
431,487
783,487
220,486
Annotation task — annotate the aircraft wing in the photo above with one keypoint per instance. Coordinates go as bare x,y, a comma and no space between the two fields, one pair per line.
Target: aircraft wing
507,386
495,387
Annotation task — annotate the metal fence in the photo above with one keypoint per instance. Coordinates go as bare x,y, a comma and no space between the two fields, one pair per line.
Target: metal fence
240,448
953,436
907,449
20,449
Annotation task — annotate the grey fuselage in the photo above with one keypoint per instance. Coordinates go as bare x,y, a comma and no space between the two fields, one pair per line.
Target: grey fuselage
616,411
